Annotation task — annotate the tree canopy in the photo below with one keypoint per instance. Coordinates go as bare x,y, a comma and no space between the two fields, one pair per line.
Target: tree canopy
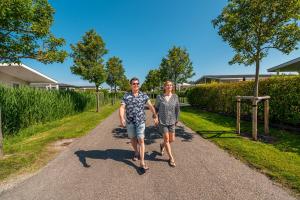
25,32
176,66
152,80
253,27
115,72
88,59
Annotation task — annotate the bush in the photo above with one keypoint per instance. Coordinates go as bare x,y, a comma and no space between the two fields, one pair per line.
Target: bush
24,106
284,102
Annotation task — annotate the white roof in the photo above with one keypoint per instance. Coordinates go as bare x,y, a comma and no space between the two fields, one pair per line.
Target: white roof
290,66
25,73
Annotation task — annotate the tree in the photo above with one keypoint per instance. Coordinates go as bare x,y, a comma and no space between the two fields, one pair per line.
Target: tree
88,62
115,74
125,85
177,66
152,80
25,32
253,27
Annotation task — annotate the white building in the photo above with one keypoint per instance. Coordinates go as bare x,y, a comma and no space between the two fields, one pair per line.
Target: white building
16,75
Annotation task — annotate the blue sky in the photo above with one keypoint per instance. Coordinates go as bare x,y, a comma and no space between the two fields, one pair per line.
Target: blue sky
140,32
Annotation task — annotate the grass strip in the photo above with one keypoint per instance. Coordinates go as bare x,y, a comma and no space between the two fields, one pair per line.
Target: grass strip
277,156
28,150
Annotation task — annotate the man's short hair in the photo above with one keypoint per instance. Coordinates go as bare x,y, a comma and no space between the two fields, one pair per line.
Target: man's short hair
134,79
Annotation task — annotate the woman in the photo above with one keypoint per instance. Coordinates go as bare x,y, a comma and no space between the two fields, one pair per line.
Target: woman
167,107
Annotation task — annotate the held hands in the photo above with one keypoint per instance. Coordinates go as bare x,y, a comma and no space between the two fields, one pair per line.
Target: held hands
155,119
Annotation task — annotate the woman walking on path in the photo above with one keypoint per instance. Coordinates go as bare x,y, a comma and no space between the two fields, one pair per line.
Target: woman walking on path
167,107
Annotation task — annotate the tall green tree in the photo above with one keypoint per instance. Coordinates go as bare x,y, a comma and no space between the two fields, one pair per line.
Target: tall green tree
152,80
125,85
88,60
253,27
115,74
25,32
176,66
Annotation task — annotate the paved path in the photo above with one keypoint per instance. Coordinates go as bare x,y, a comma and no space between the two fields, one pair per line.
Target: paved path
99,166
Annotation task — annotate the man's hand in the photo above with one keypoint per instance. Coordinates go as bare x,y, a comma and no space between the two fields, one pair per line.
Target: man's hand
121,115
155,121
123,123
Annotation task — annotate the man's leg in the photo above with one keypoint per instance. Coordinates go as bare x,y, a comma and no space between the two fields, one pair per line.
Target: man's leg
134,145
131,131
140,130
142,151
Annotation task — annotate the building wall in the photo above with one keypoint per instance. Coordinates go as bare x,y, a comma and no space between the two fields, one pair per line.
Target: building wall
11,80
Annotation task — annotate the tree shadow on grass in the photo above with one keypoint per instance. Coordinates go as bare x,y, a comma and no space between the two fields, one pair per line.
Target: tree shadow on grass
119,155
152,134
215,134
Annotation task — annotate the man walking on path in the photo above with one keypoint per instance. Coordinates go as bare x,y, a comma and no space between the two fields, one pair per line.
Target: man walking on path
133,104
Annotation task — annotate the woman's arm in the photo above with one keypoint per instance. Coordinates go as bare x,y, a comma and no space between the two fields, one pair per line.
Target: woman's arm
177,109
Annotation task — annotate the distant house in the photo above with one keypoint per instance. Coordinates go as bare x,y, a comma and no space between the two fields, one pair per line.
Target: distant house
87,88
63,86
290,66
16,75
183,86
229,78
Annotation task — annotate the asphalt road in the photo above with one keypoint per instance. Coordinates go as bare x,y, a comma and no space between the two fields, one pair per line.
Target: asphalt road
99,166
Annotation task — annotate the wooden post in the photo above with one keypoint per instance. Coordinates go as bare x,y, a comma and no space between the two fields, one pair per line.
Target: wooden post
266,116
1,137
238,115
254,118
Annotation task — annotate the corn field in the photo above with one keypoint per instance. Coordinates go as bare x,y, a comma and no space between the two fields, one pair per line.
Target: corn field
25,106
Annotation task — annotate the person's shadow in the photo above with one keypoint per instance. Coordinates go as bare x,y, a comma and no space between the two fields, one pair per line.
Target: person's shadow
119,155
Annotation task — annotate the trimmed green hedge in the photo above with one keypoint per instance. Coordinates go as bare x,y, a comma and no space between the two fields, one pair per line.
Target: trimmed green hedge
220,97
22,107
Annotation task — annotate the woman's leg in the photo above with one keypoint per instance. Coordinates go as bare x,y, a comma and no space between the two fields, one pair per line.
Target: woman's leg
168,146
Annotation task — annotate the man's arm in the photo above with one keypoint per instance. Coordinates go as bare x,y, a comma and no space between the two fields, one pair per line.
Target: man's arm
152,109
121,115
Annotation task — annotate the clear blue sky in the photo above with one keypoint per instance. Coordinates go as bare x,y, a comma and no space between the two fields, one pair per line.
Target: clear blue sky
140,32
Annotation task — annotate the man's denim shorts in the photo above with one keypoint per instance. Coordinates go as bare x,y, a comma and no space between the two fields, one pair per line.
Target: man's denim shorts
137,131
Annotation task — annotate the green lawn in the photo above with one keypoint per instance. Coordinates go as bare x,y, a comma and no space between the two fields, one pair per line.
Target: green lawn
278,158
29,150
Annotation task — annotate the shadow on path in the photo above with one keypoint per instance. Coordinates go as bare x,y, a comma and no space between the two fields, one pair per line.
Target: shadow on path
119,155
152,134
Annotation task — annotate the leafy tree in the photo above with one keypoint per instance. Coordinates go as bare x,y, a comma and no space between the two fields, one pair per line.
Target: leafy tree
115,74
25,32
253,27
88,62
152,80
177,66
125,85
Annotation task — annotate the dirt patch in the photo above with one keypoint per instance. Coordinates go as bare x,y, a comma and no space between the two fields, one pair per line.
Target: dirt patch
50,153
60,144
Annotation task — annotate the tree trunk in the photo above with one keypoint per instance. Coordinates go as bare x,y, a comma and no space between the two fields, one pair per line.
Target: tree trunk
111,91
97,98
256,78
115,95
1,136
254,103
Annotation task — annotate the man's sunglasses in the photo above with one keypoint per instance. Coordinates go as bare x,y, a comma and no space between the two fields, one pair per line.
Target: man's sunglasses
135,83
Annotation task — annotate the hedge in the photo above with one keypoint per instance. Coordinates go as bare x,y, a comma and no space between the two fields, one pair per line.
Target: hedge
220,97
25,106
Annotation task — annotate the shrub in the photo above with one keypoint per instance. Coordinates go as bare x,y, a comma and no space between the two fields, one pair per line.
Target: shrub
220,97
24,106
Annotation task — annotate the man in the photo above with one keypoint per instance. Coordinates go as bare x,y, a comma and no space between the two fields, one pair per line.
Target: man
133,104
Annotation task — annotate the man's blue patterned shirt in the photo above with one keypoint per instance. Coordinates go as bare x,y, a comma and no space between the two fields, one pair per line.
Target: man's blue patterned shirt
134,106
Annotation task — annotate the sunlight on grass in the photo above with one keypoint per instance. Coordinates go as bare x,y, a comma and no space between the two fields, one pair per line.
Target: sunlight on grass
280,159
27,151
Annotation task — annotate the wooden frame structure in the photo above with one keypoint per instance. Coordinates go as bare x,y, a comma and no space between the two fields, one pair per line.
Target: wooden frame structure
255,101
